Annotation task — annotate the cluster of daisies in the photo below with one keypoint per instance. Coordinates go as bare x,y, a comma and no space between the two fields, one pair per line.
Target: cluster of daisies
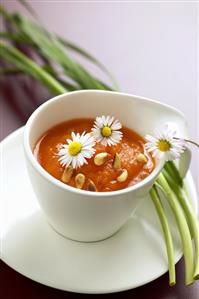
106,130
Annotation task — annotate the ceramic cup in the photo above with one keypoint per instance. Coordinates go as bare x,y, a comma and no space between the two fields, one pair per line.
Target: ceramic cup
84,215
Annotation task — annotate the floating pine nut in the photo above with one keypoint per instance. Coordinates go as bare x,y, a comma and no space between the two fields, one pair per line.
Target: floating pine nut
79,180
91,186
67,174
113,182
123,176
117,161
141,158
100,158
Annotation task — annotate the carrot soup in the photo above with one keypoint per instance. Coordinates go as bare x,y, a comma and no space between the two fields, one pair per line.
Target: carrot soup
103,158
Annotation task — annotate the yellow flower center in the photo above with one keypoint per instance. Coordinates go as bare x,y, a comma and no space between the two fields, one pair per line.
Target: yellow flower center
164,145
106,131
74,148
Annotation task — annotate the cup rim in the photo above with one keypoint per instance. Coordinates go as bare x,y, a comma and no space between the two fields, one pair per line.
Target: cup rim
41,171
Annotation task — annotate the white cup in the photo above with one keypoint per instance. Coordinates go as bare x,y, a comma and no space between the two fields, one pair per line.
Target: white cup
84,215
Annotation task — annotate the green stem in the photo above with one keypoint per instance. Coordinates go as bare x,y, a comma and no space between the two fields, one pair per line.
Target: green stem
167,234
183,229
194,228
188,140
175,186
191,216
173,172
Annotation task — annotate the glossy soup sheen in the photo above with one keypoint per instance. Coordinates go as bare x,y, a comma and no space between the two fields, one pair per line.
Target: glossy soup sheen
105,176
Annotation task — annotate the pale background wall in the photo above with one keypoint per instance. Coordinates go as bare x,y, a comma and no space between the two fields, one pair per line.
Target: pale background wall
151,47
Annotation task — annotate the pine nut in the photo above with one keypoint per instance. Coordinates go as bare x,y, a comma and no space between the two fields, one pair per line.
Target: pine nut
91,186
123,176
79,180
67,174
141,158
117,161
100,158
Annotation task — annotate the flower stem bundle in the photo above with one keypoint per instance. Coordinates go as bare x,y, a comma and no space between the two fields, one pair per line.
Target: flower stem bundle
190,215
173,188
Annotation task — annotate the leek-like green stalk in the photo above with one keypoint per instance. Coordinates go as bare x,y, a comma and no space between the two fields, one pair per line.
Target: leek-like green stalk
172,170
183,228
190,214
167,234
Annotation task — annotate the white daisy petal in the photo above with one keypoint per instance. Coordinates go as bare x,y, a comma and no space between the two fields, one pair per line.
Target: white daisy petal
104,141
74,162
110,121
158,134
109,142
150,148
105,119
116,125
98,122
69,141
155,152
73,136
117,135
150,138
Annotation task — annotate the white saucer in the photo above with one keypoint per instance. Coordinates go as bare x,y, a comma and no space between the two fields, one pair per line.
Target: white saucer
133,257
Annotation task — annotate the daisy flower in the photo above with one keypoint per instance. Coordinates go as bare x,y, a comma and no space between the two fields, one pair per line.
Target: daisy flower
165,144
77,150
105,130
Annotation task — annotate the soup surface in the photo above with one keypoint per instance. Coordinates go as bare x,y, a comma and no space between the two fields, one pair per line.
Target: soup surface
104,176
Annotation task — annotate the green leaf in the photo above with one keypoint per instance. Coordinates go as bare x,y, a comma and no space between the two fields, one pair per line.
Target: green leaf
5,14
48,42
14,37
9,71
53,49
71,46
21,62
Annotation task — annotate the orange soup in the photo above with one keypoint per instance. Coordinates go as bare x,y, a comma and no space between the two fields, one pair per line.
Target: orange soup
134,162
